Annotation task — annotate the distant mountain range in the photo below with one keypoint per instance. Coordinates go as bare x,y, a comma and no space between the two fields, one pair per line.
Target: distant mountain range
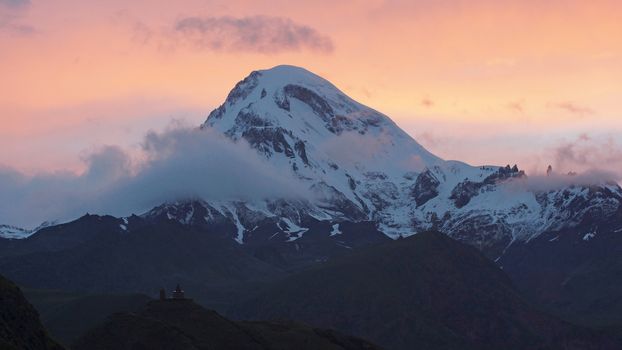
363,183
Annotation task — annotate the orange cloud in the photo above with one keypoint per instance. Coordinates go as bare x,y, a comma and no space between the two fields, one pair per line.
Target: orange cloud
261,34
575,109
427,102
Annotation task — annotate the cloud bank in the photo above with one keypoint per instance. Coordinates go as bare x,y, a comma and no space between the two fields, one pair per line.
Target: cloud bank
558,181
176,164
14,3
585,153
583,161
11,12
575,109
261,34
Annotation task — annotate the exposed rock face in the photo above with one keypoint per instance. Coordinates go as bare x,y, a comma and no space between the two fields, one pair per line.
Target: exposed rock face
319,106
20,328
466,190
426,188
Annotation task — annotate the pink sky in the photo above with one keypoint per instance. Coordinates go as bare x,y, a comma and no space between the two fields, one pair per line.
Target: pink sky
487,82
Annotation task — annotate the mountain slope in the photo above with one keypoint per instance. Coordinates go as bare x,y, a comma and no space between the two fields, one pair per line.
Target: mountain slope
575,273
425,291
141,258
68,316
182,324
20,328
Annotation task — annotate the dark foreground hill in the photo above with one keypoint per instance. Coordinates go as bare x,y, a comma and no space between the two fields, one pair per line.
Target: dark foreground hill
20,328
68,315
182,324
427,291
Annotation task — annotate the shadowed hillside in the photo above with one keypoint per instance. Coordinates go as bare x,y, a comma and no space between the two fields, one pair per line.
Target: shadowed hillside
20,328
182,324
69,315
425,291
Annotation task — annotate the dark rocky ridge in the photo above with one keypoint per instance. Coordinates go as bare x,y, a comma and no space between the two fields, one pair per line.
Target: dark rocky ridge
425,188
464,191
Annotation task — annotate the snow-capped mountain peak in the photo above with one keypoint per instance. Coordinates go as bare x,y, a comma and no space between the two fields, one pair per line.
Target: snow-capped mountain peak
361,166
288,110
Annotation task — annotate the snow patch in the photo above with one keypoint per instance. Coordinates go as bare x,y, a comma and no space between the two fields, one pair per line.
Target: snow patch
239,237
294,231
188,217
589,236
342,244
335,230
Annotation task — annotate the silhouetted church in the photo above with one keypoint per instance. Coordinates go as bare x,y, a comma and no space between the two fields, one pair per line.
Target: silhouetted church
178,294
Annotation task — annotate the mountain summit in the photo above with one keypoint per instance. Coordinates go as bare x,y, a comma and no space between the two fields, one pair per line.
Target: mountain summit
362,167
280,109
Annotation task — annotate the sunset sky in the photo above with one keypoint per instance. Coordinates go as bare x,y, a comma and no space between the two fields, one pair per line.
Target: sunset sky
487,82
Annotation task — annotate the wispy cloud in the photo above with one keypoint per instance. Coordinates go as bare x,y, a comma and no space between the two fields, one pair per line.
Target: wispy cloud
11,12
586,153
14,3
575,109
427,102
261,34
431,140
516,106
556,181
18,29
